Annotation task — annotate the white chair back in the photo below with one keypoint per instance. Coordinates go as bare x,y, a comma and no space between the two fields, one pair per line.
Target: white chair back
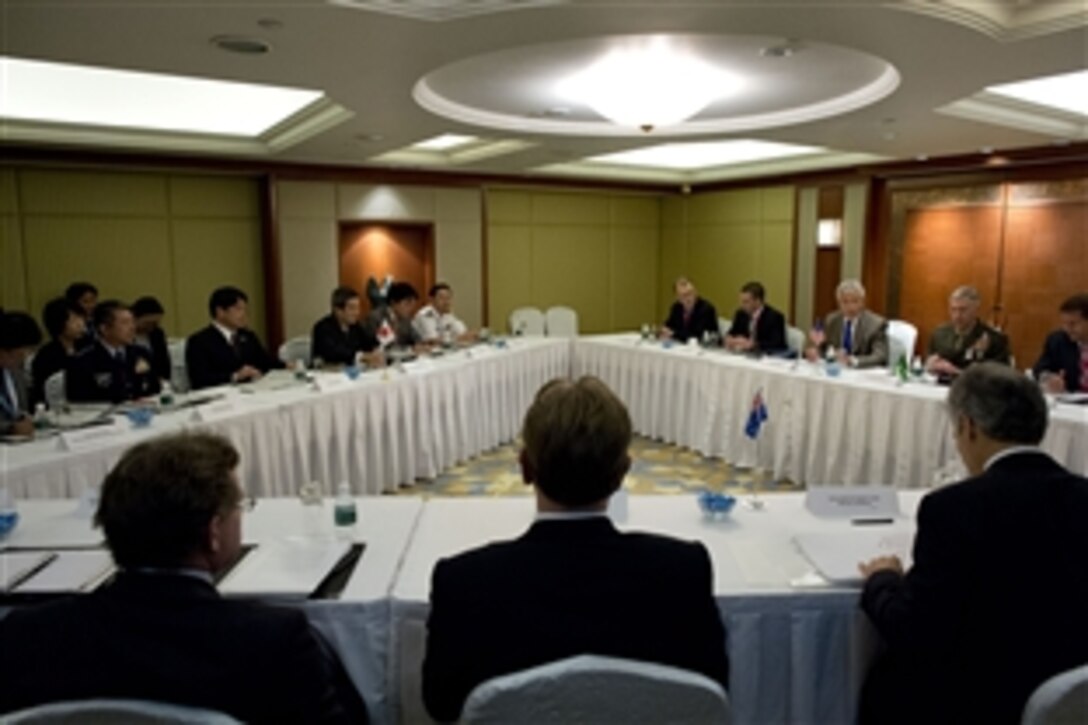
527,321
724,325
795,339
179,375
297,348
561,322
55,395
595,689
902,337
111,712
1061,700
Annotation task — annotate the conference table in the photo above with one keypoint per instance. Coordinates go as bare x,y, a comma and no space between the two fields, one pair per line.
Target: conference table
798,645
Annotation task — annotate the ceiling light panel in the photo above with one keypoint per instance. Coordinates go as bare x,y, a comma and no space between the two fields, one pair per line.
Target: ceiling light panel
440,10
445,142
104,97
1065,92
704,155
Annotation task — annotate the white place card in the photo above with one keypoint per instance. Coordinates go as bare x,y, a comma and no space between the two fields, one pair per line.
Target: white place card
331,382
289,567
853,502
836,555
85,438
218,410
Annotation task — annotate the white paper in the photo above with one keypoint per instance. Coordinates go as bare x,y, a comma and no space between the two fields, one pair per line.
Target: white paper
328,382
291,567
84,438
852,502
215,411
72,571
836,555
14,565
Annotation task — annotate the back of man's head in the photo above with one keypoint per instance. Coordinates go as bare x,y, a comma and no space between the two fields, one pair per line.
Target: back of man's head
1006,406
576,436
157,502
18,330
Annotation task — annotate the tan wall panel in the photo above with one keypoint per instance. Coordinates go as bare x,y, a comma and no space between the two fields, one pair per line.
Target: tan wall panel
9,193
563,209
459,264
309,265
778,203
853,234
570,268
775,265
92,193
509,272
457,205
710,263
639,211
509,206
124,258
633,278
306,200
210,254
804,284
205,197
726,207
12,267
385,203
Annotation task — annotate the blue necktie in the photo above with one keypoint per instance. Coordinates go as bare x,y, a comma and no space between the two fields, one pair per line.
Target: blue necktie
848,337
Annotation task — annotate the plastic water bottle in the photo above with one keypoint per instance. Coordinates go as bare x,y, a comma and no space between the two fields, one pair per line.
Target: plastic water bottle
344,512
166,395
41,417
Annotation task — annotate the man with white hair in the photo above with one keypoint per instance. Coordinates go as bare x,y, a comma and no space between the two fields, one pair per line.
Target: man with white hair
964,339
691,317
858,336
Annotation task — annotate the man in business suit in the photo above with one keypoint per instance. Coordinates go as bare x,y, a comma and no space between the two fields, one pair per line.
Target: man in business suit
690,317
19,336
148,312
995,601
858,336
391,324
965,339
757,327
66,327
112,369
338,338
84,296
572,584
171,510
226,351
1063,366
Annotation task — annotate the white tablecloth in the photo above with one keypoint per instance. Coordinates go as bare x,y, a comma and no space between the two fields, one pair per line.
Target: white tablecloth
797,655
385,429
858,429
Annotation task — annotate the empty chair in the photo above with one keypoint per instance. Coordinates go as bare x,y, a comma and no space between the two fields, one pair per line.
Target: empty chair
795,339
527,321
902,337
179,376
724,325
592,689
295,349
110,712
1061,700
55,397
561,322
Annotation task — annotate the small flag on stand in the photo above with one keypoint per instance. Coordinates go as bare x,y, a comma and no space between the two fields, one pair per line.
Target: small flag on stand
757,416
386,336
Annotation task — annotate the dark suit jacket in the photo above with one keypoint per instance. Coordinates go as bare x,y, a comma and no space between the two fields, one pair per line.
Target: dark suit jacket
50,358
21,403
406,332
994,604
770,329
704,318
160,354
567,588
171,638
333,345
210,360
1061,353
94,376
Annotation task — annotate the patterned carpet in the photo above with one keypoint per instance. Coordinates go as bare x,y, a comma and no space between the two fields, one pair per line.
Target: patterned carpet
656,468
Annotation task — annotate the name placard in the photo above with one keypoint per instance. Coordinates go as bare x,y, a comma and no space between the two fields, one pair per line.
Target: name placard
853,502
85,438
218,410
329,382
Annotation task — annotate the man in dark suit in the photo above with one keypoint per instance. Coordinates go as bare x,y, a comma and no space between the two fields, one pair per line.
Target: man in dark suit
757,327
859,337
391,324
148,312
338,338
66,327
19,335
1063,366
572,584
226,351
995,601
84,296
690,317
112,369
172,512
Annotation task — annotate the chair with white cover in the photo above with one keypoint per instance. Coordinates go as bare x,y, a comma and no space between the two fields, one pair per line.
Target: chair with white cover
902,337
596,689
295,349
527,321
1061,700
795,339
179,375
724,325
561,322
108,712
55,395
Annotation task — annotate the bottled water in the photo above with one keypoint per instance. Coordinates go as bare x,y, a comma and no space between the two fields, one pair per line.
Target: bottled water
344,512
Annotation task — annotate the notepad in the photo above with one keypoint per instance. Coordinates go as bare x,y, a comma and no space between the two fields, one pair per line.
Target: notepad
836,555
71,571
291,567
17,565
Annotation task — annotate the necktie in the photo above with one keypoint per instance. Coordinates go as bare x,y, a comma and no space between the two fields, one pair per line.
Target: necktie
752,325
235,343
6,401
848,337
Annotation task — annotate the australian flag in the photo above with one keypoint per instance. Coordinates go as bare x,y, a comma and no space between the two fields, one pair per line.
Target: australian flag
757,416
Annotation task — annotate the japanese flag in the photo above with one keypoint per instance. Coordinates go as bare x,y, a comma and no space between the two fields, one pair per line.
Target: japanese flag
386,336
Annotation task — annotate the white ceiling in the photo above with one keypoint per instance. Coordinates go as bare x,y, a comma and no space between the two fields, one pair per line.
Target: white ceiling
945,51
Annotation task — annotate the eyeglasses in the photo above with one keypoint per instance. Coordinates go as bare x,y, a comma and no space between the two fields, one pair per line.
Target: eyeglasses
247,504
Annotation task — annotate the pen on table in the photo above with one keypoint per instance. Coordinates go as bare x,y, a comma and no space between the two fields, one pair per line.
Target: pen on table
867,522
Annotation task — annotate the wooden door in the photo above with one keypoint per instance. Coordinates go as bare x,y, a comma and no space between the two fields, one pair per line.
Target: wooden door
405,251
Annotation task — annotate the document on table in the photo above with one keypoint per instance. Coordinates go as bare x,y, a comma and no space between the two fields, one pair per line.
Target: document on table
15,566
836,555
71,571
291,567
